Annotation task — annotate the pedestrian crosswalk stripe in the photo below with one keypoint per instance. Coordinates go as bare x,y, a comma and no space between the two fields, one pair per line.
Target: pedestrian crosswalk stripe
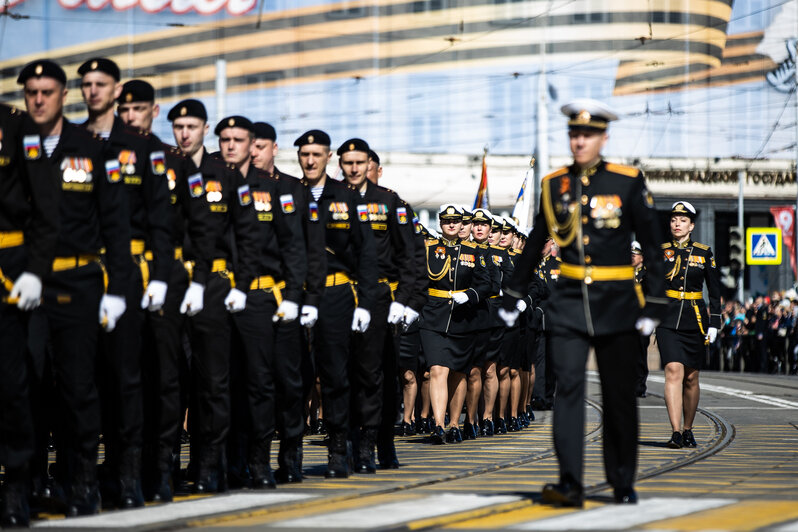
745,515
618,517
398,512
174,512
742,394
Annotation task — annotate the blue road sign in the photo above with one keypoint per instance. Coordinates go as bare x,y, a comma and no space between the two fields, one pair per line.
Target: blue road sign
763,245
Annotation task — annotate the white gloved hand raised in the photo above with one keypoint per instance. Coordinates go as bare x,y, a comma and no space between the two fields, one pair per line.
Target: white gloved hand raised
154,296
712,333
309,316
236,300
646,326
409,317
509,317
111,309
193,301
520,305
27,291
395,313
460,298
286,312
361,320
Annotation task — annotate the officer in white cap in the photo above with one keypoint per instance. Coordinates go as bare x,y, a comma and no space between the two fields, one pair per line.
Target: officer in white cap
591,209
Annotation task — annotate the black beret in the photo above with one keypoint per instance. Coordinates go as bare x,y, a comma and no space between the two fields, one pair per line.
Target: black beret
42,68
264,130
314,136
189,107
233,121
374,157
353,145
136,90
100,64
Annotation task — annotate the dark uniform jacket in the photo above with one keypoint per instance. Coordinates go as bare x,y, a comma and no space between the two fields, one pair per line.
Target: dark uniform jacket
143,168
454,265
390,222
93,205
500,266
233,217
687,267
593,216
418,293
280,244
28,190
349,242
547,273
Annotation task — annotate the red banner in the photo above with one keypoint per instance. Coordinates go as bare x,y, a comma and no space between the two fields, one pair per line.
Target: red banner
482,201
785,220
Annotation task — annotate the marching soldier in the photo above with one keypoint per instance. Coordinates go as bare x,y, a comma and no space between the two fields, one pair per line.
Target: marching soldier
230,206
143,173
548,270
93,213
351,258
28,233
465,231
640,279
591,209
687,328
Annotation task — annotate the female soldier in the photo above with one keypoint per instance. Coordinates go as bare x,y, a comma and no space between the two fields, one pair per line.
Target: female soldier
458,280
686,329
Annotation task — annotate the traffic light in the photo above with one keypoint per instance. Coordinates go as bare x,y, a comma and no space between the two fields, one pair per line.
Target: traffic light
736,248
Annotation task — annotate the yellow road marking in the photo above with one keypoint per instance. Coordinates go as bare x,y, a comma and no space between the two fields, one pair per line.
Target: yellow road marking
746,515
529,512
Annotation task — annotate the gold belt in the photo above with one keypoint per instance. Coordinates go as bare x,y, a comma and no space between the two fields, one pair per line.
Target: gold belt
137,247
337,278
220,266
588,274
178,254
446,294
392,285
11,239
69,263
675,294
267,283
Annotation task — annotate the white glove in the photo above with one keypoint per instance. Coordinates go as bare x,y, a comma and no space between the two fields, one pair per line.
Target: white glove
361,320
193,301
520,305
309,316
286,312
646,326
712,333
459,298
395,313
154,296
509,317
27,290
111,309
236,300
409,317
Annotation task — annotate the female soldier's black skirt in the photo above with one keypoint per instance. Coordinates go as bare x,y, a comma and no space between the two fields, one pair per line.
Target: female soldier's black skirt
453,351
686,347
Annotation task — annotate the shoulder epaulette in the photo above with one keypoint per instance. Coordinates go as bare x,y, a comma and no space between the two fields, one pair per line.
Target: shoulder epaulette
700,246
516,251
468,243
557,173
496,247
512,252
628,171
666,245
482,246
431,241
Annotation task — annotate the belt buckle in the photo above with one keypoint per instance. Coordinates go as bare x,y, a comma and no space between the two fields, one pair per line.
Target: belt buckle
682,294
588,275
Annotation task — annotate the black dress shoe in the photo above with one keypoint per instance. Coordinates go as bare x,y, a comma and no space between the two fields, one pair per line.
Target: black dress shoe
564,494
469,431
487,427
676,441
625,496
163,491
423,425
14,512
530,413
319,427
438,436
523,420
407,429
513,425
688,440
454,435
500,427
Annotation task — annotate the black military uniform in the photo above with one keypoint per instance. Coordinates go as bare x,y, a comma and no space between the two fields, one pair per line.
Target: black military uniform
591,213
351,258
93,213
548,271
28,232
642,362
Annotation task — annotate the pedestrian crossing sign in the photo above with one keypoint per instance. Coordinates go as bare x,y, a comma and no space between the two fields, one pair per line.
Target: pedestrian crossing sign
762,245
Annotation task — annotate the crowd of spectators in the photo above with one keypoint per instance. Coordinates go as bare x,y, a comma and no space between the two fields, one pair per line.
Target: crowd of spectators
758,336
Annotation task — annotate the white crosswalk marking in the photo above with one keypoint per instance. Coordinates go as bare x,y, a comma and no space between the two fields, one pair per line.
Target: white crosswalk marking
787,527
742,394
398,512
172,512
618,517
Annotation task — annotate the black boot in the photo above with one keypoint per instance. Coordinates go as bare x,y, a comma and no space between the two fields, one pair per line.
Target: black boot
338,455
259,468
15,512
162,487
84,497
386,453
365,455
130,495
209,471
289,460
